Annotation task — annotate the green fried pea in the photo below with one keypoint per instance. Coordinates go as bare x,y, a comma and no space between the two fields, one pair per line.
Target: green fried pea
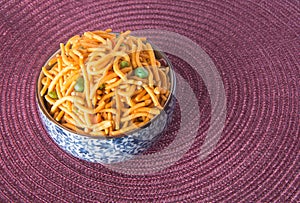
124,64
53,95
141,72
79,86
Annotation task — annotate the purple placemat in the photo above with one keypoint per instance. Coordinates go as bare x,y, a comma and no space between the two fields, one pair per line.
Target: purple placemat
255,48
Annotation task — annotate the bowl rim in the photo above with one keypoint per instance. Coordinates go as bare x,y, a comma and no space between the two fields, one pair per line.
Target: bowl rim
40,101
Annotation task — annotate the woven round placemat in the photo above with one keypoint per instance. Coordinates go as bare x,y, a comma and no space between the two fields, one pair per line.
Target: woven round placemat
255,47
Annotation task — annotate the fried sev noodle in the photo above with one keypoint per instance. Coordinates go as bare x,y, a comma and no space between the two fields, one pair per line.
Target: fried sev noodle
114,100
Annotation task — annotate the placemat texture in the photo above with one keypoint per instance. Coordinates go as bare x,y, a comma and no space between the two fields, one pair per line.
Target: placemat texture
255,47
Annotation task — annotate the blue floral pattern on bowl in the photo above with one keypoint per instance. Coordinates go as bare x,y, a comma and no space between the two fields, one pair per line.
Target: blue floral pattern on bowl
108,150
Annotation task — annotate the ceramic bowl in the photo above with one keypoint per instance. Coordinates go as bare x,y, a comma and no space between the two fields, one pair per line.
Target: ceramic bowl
107,150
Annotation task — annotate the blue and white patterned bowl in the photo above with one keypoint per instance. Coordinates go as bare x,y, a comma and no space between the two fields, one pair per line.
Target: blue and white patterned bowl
103,149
